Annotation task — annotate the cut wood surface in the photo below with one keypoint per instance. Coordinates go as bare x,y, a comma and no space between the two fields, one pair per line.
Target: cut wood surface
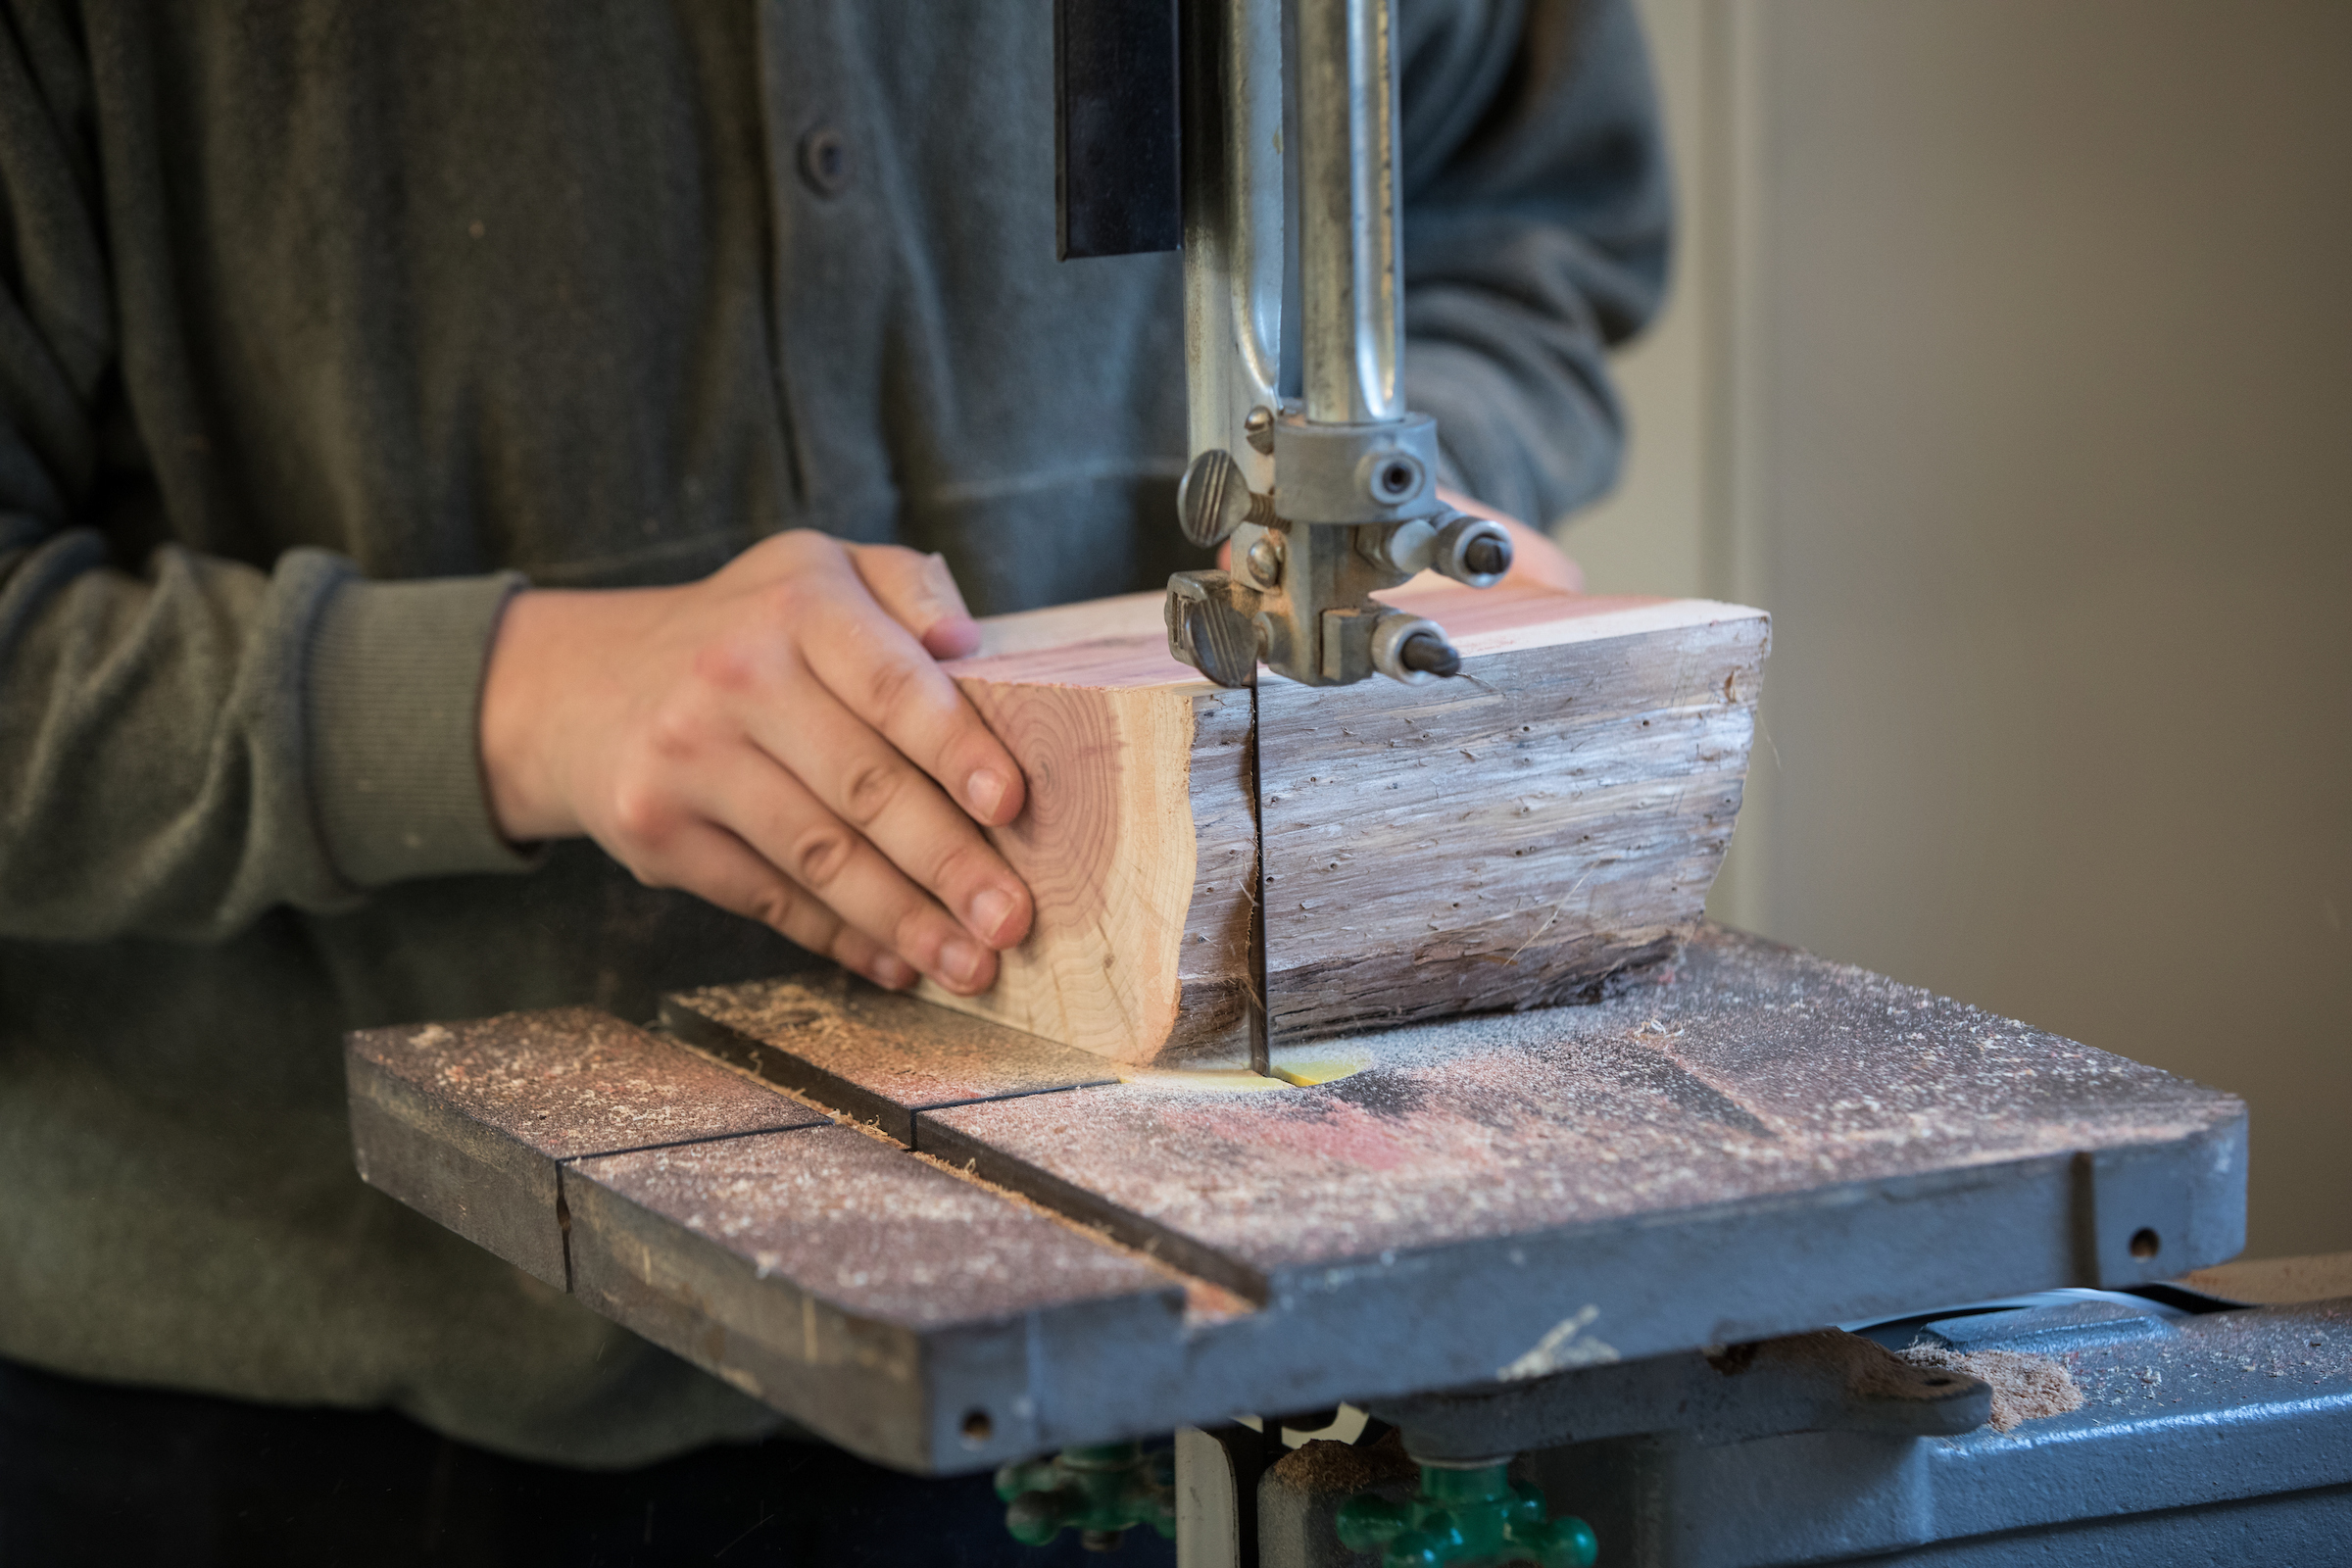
1505,839
1137,841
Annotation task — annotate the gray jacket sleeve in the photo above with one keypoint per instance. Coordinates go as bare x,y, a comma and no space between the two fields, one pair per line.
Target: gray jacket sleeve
185,740
1538,215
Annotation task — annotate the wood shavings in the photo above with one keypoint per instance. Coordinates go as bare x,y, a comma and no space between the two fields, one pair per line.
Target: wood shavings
1339,1467
2025,1387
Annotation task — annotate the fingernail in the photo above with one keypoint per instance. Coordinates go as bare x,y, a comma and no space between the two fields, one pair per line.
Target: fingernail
959,960
991,908
892,973
985,789
951,636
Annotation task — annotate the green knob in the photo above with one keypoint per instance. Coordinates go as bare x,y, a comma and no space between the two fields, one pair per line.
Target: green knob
1466,1518
1101,1490
1367,1523
1420,1549
1572,1545
1037,1517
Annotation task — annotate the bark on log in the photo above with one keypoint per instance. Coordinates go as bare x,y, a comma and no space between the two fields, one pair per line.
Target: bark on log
1505,839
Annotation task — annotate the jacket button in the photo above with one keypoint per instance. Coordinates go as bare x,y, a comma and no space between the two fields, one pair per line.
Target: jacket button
824,161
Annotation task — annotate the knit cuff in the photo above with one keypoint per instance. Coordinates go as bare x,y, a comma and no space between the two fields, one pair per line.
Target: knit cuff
395,695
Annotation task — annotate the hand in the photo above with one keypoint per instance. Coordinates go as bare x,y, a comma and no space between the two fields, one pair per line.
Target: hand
777,738
1535,559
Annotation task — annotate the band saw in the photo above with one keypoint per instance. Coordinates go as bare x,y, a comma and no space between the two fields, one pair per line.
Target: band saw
1611,1237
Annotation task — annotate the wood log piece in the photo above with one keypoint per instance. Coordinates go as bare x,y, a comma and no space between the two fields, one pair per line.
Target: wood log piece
1505,839
1136,841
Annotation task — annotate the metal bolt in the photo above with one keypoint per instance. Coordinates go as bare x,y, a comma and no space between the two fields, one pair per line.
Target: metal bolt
1430,654
1212,499
1412,650
1258,429
1395,477
1207,631
1266,560
1473,549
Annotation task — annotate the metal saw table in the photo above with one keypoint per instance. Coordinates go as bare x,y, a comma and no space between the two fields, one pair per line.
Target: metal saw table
945,1245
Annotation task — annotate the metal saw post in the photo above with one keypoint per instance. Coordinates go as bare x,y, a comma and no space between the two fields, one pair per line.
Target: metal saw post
1331,498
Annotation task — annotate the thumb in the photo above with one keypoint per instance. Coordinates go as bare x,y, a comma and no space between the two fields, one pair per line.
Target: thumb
919,593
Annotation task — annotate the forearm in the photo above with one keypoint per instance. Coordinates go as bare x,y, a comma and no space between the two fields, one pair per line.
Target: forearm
183,749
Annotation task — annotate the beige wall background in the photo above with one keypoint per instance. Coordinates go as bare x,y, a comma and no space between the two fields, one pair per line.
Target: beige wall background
2010,367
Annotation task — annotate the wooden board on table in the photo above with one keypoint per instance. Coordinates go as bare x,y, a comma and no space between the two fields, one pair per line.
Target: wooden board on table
1502,840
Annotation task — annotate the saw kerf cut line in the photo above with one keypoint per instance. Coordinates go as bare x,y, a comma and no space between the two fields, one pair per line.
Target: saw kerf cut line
1260,1046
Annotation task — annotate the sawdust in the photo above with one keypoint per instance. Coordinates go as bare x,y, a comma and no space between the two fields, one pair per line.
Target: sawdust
1746,1071
1204,1302
862,1224
1868,1370
905,1052
2025,1387
2275,1281
572,1082
2222,1361
1325,1467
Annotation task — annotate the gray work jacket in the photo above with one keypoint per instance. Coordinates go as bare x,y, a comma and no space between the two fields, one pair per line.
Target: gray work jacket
324,324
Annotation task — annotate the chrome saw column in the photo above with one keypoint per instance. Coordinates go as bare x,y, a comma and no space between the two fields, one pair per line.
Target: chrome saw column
1233,229
1332,498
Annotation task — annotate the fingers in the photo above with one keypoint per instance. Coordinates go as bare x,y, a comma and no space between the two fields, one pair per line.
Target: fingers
877,670
811,849
919,593
799,756
868,784
716,866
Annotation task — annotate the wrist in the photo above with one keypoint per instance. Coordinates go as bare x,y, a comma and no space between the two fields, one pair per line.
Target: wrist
520,694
